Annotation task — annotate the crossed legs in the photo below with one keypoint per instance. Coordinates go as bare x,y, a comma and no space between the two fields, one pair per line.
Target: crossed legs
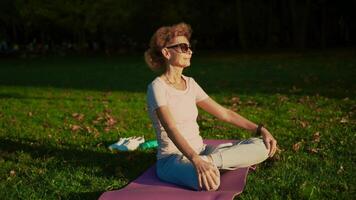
179,170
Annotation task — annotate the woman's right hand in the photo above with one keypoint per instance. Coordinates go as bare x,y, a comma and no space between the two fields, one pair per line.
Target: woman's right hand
208,174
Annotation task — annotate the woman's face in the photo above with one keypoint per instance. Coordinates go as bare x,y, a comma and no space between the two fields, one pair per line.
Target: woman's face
179,52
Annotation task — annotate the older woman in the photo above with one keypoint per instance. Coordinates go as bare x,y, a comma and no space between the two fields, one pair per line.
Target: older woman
172,98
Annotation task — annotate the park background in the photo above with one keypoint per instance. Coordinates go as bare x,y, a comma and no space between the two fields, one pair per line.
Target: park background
73,81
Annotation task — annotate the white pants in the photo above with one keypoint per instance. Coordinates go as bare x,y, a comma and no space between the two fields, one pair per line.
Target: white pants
179,170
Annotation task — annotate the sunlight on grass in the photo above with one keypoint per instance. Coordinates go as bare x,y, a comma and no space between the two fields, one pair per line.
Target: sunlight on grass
54,134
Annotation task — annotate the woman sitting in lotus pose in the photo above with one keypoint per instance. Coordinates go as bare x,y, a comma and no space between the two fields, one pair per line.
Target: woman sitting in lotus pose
172,99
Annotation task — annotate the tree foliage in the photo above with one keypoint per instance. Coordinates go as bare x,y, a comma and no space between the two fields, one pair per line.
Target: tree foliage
216,24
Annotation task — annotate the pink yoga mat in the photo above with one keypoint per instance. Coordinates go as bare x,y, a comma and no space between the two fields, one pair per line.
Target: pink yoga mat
149,187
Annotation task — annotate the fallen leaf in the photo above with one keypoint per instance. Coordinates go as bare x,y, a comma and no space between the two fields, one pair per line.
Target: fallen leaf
304,124
78,116
277,155
107,110
252,103
297,146
75,128
344,120
96,134
313,150
282,98
316,137
41,171
295,89
341,169
304,99
110,122
235,100
12,173
95,122
292,111
88,129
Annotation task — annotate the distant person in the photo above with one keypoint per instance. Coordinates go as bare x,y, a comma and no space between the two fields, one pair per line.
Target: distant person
172,100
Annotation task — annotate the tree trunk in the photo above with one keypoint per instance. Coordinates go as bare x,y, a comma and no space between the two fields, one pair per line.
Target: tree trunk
14,32
241,24
285,22
300,17
269,38
323,34
304,25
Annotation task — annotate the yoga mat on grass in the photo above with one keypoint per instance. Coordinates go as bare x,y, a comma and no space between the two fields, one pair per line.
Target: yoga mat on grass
149,187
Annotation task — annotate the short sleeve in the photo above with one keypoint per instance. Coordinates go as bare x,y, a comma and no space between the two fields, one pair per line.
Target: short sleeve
156,95
200,94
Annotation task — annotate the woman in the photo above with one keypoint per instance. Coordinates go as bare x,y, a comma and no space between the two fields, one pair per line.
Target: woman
172,100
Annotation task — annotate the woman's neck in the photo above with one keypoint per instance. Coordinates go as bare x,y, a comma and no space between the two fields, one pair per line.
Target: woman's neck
173,74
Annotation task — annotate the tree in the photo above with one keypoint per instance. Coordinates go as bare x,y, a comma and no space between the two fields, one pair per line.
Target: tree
299,10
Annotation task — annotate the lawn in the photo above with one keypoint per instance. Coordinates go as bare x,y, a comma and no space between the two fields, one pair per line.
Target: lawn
59,114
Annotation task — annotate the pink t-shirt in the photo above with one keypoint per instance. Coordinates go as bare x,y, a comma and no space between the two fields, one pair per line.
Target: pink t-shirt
182,105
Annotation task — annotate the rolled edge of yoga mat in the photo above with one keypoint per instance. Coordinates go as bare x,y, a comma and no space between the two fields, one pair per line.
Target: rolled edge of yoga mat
149,144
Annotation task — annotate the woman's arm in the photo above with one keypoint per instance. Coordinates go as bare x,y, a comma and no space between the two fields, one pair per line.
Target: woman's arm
207,176
232,117
168,123
226,115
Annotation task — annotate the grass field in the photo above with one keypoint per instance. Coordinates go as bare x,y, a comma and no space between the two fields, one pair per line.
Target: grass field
59,114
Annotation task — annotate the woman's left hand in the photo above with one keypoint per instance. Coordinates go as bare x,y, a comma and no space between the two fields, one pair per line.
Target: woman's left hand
269,141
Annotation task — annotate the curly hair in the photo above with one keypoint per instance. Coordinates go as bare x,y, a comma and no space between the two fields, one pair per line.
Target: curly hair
153,56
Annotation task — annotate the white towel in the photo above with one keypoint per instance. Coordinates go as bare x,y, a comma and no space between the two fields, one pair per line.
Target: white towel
127,144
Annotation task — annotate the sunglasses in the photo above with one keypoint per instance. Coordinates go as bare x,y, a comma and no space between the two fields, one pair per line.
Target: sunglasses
184,47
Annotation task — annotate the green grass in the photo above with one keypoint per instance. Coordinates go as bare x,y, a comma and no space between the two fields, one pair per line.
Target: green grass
47,151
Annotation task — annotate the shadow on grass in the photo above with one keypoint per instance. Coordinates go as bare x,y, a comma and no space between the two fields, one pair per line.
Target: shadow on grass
85,195
127,165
